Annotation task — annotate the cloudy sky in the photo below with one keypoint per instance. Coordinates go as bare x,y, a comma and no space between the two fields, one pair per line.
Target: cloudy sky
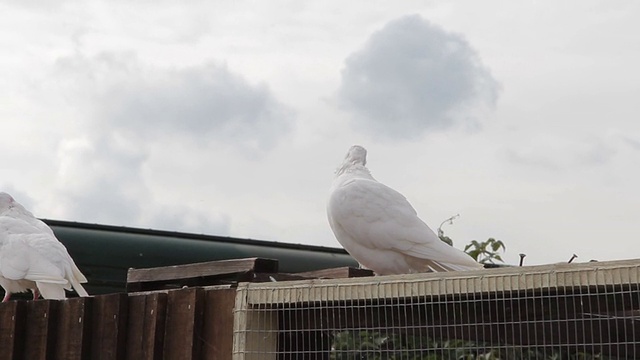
229,118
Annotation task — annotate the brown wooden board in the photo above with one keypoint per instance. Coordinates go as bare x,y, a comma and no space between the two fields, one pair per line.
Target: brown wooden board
200,274
183,324
337,273
11,329
145,326
74,323
40,328
109,323
217,331
271,277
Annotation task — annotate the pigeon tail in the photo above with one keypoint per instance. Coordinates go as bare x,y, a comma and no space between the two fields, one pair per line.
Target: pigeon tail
459,267
76,278
424,265
51,291
78,288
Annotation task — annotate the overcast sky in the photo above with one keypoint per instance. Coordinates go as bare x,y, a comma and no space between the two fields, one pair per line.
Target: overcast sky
229,118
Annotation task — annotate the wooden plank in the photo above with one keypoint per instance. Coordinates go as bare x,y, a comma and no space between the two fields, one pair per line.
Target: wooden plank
456,282
146,322
183,324
337,273
210,268
40,328
109,323
271,277
333,273
12,316
217,332
73,330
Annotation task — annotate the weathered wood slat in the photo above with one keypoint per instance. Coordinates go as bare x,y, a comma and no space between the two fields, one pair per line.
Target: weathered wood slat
145,329
74,323
40,327
184,324
11,330
273,277
109,327
337,273
217,331
200,274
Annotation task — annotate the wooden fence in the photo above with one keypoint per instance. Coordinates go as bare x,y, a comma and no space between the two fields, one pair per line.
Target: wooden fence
178,312
191,323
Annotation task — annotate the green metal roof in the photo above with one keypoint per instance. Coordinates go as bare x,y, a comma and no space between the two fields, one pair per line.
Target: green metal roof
104,253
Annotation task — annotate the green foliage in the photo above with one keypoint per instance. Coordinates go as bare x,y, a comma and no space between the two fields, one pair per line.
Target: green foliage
374,345
446,239
441,234
486,252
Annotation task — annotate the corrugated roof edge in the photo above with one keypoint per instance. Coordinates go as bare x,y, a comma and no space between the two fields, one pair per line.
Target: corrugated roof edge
193,236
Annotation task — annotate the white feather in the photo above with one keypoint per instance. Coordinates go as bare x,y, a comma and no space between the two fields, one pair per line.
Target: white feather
380,229
31,257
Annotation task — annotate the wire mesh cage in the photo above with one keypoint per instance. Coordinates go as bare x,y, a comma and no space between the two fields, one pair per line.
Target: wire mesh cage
564,311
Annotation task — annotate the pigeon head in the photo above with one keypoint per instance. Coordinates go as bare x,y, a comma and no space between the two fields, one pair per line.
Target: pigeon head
355,160
8,204
357,155
6,201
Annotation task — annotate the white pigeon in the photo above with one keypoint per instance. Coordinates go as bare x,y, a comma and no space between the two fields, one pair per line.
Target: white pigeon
379,227
31,258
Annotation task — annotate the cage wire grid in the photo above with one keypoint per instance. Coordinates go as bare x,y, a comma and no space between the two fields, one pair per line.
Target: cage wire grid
563,311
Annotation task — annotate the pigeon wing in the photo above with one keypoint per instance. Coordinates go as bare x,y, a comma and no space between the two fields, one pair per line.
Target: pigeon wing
380,218
22,261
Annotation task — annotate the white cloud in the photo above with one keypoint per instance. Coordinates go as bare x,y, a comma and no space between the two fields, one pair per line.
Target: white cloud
99,180
126,112
561,153
413,76
102,179
206,102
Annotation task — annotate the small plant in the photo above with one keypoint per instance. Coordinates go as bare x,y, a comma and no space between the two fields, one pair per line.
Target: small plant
486,252
441,234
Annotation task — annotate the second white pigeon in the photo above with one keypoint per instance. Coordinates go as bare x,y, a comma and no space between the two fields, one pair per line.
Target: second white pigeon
380,229
31,257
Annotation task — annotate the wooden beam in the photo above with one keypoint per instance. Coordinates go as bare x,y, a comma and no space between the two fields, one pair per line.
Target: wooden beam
109,326
337,273
74,324
145,330
40,328
217,331
183,324
200,274
12,316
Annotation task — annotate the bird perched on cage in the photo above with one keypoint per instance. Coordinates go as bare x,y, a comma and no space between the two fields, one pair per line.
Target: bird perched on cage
31,257
380,229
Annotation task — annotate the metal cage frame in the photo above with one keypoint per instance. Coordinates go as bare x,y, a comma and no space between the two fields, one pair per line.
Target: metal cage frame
579,308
